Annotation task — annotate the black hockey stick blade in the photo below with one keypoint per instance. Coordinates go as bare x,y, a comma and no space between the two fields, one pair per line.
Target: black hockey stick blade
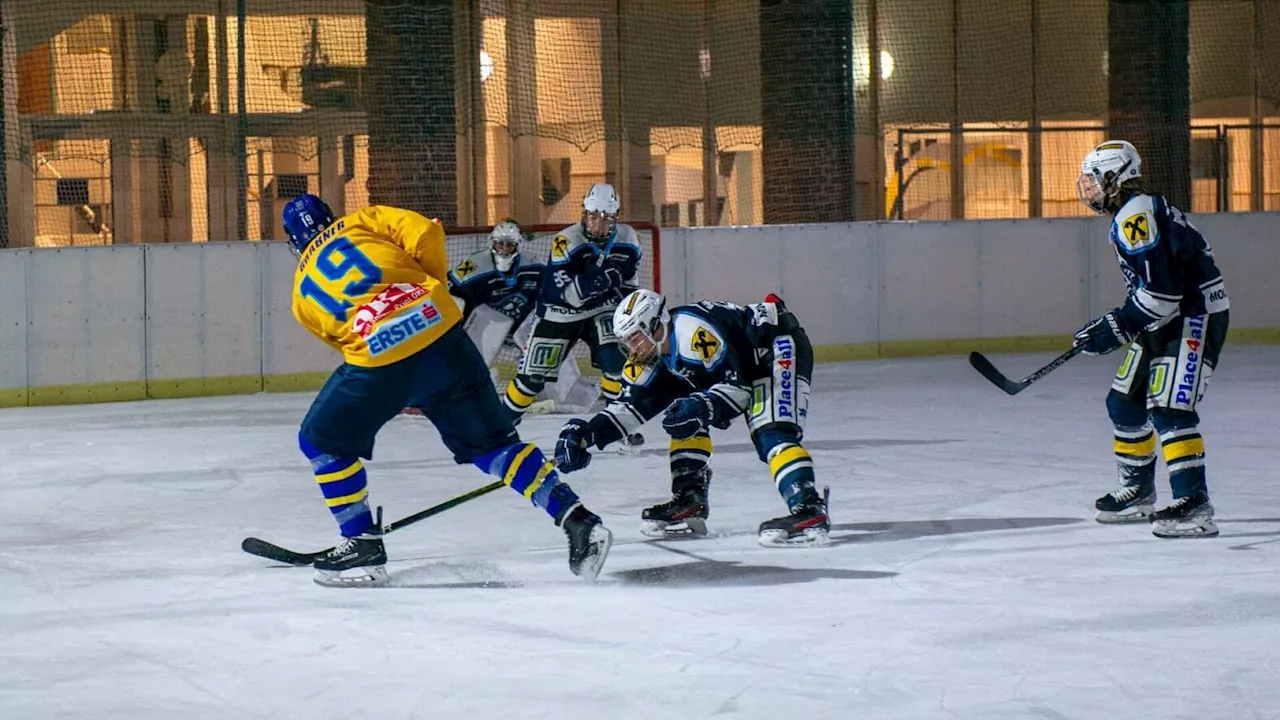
271,551
997,378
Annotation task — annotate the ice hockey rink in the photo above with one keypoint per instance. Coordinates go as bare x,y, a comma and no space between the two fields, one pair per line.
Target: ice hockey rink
967,578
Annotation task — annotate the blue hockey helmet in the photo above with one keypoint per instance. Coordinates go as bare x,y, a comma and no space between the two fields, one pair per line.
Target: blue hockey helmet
305,217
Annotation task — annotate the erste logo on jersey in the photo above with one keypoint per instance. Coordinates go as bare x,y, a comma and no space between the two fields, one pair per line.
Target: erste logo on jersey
386,303
465,270
394,333
705,344
560,248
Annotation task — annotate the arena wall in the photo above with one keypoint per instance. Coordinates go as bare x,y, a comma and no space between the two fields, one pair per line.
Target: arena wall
132,322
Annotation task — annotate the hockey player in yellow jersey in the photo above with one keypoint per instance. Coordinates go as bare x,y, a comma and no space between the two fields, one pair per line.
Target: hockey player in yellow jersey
372,285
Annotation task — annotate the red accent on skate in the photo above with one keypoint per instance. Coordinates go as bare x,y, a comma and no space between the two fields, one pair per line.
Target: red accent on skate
771,298
688,513
816,520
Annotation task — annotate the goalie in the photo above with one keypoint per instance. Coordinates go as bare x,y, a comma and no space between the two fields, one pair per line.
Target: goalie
497,290
593,264
705,365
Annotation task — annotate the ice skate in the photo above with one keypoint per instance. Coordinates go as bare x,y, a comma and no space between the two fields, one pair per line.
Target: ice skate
589,542
1126,504
631,444
355,562
685,514
808,525
1186,517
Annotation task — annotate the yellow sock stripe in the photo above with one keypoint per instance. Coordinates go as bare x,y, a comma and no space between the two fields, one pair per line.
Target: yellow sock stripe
518,397
514,467
697,442
342,474
1183,448
611,386
347,499
1138,448
546,470
786,457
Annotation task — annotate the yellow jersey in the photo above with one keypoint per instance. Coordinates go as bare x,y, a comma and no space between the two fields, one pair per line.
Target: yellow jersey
372,286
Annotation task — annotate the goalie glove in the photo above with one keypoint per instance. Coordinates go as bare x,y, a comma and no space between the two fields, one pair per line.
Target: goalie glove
571,447
1103,335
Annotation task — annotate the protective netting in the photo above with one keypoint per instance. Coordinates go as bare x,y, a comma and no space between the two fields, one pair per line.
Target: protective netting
150,121
466,240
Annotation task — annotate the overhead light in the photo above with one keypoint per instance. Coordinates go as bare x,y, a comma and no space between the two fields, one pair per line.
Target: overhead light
486,66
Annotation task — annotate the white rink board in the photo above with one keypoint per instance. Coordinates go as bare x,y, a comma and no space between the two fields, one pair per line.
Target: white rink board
86,311
13,318
203,311
286,347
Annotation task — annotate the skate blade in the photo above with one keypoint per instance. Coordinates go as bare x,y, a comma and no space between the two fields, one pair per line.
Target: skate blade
374,576
601,540
631,445
1169,530
691,528
811,537
1135,514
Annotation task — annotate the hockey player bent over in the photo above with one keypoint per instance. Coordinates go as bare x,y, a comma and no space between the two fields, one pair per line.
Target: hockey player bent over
1175,323
592,265
496,288
370,285
707,364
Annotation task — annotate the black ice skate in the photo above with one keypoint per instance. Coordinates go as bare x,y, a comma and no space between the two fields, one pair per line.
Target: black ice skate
1186,517
589,542
685,514
355,562
808,525
1126,504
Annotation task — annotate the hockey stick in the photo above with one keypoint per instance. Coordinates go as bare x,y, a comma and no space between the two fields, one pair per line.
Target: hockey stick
271,551
989,371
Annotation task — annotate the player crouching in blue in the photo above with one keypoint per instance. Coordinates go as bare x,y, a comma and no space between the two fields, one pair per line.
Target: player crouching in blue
372,285
706,364
1175,324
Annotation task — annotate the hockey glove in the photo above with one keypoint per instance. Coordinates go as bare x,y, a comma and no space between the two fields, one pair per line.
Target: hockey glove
691,415
571,447
1102,336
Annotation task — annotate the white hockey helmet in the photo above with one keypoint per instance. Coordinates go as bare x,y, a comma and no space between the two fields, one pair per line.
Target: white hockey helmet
1103,171
504,243
600,212
641,322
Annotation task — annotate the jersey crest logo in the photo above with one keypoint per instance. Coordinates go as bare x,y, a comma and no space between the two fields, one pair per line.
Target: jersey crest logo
1135,229
705,344
560,248
632,371
465,270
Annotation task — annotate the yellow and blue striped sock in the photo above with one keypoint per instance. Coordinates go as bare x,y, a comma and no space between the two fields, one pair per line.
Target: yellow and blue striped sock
345,487
526,470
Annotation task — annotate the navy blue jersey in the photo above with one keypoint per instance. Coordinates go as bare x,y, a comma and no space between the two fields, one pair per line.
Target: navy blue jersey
477,281
716,347
583,278
1168,265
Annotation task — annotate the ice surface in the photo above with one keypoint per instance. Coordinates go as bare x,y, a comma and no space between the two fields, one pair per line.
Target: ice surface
967,578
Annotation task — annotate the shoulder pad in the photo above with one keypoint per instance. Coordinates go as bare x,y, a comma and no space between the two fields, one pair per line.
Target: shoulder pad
565,242
474,265
626,235
696,340
638,374
1134,228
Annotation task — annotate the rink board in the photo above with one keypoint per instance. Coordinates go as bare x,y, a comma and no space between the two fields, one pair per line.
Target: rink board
131,322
